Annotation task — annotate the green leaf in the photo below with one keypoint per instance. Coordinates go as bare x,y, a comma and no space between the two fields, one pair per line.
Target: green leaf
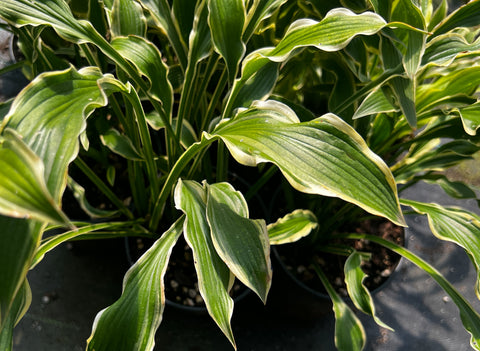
455,225
470,116
131,322
324,156
332,33
470,317
19,308
457,82
445,48
127,19
292,227
214,277
53,12
23,192
18,242
242,243
148,61
359,294
162,16
121,145
349,332
465,16
259,11
376,102
226,19
188,135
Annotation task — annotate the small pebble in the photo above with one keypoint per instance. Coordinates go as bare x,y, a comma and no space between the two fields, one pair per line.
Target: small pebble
173,284
446,299
189,302
301,269
198,300
192,293
386,273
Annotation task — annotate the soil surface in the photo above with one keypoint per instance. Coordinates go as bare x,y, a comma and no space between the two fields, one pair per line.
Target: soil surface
299,259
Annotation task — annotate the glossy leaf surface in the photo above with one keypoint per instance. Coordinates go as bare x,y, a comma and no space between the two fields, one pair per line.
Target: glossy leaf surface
292,227
214,277
242,243
324,156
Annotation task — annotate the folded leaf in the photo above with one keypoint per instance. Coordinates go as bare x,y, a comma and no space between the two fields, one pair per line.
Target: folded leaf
324,156
23,192
349,332
214,277
242,243
131,322
465,16
227,19
354,276
455,225
445,48
292,227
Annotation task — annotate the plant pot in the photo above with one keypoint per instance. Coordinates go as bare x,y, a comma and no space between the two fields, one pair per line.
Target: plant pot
378,269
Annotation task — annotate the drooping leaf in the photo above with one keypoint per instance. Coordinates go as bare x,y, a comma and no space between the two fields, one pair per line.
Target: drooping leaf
20,306
455,225
127,18
148,61
242,243
214,277
23,192
292,227
130,323
324,156
227,19
121,145
349,332
470,317
354,276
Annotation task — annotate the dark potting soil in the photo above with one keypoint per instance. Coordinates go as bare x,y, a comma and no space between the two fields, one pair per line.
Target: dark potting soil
298,259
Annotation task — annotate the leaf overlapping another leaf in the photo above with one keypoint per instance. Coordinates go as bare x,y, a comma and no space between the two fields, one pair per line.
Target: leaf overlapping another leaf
324,156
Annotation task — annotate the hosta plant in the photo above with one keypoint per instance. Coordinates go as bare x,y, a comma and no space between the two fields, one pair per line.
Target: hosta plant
152,105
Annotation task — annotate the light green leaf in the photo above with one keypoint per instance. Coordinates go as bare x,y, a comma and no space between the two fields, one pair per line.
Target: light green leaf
131,322
458,82
465,16
455,225
292,227
19,308
324,156
376,102
242,243
470,116
226,19
354,276
214,277
445,48
50,122
332,33
53,12
439,14
121,145
349,332
259,11
127,18
23,192
148,61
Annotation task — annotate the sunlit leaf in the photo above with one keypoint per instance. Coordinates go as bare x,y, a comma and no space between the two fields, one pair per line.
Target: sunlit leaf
148,61
292,227
445,48
214,277
465,16
375,102
242,243
456,225
470,116
324,156
130,323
